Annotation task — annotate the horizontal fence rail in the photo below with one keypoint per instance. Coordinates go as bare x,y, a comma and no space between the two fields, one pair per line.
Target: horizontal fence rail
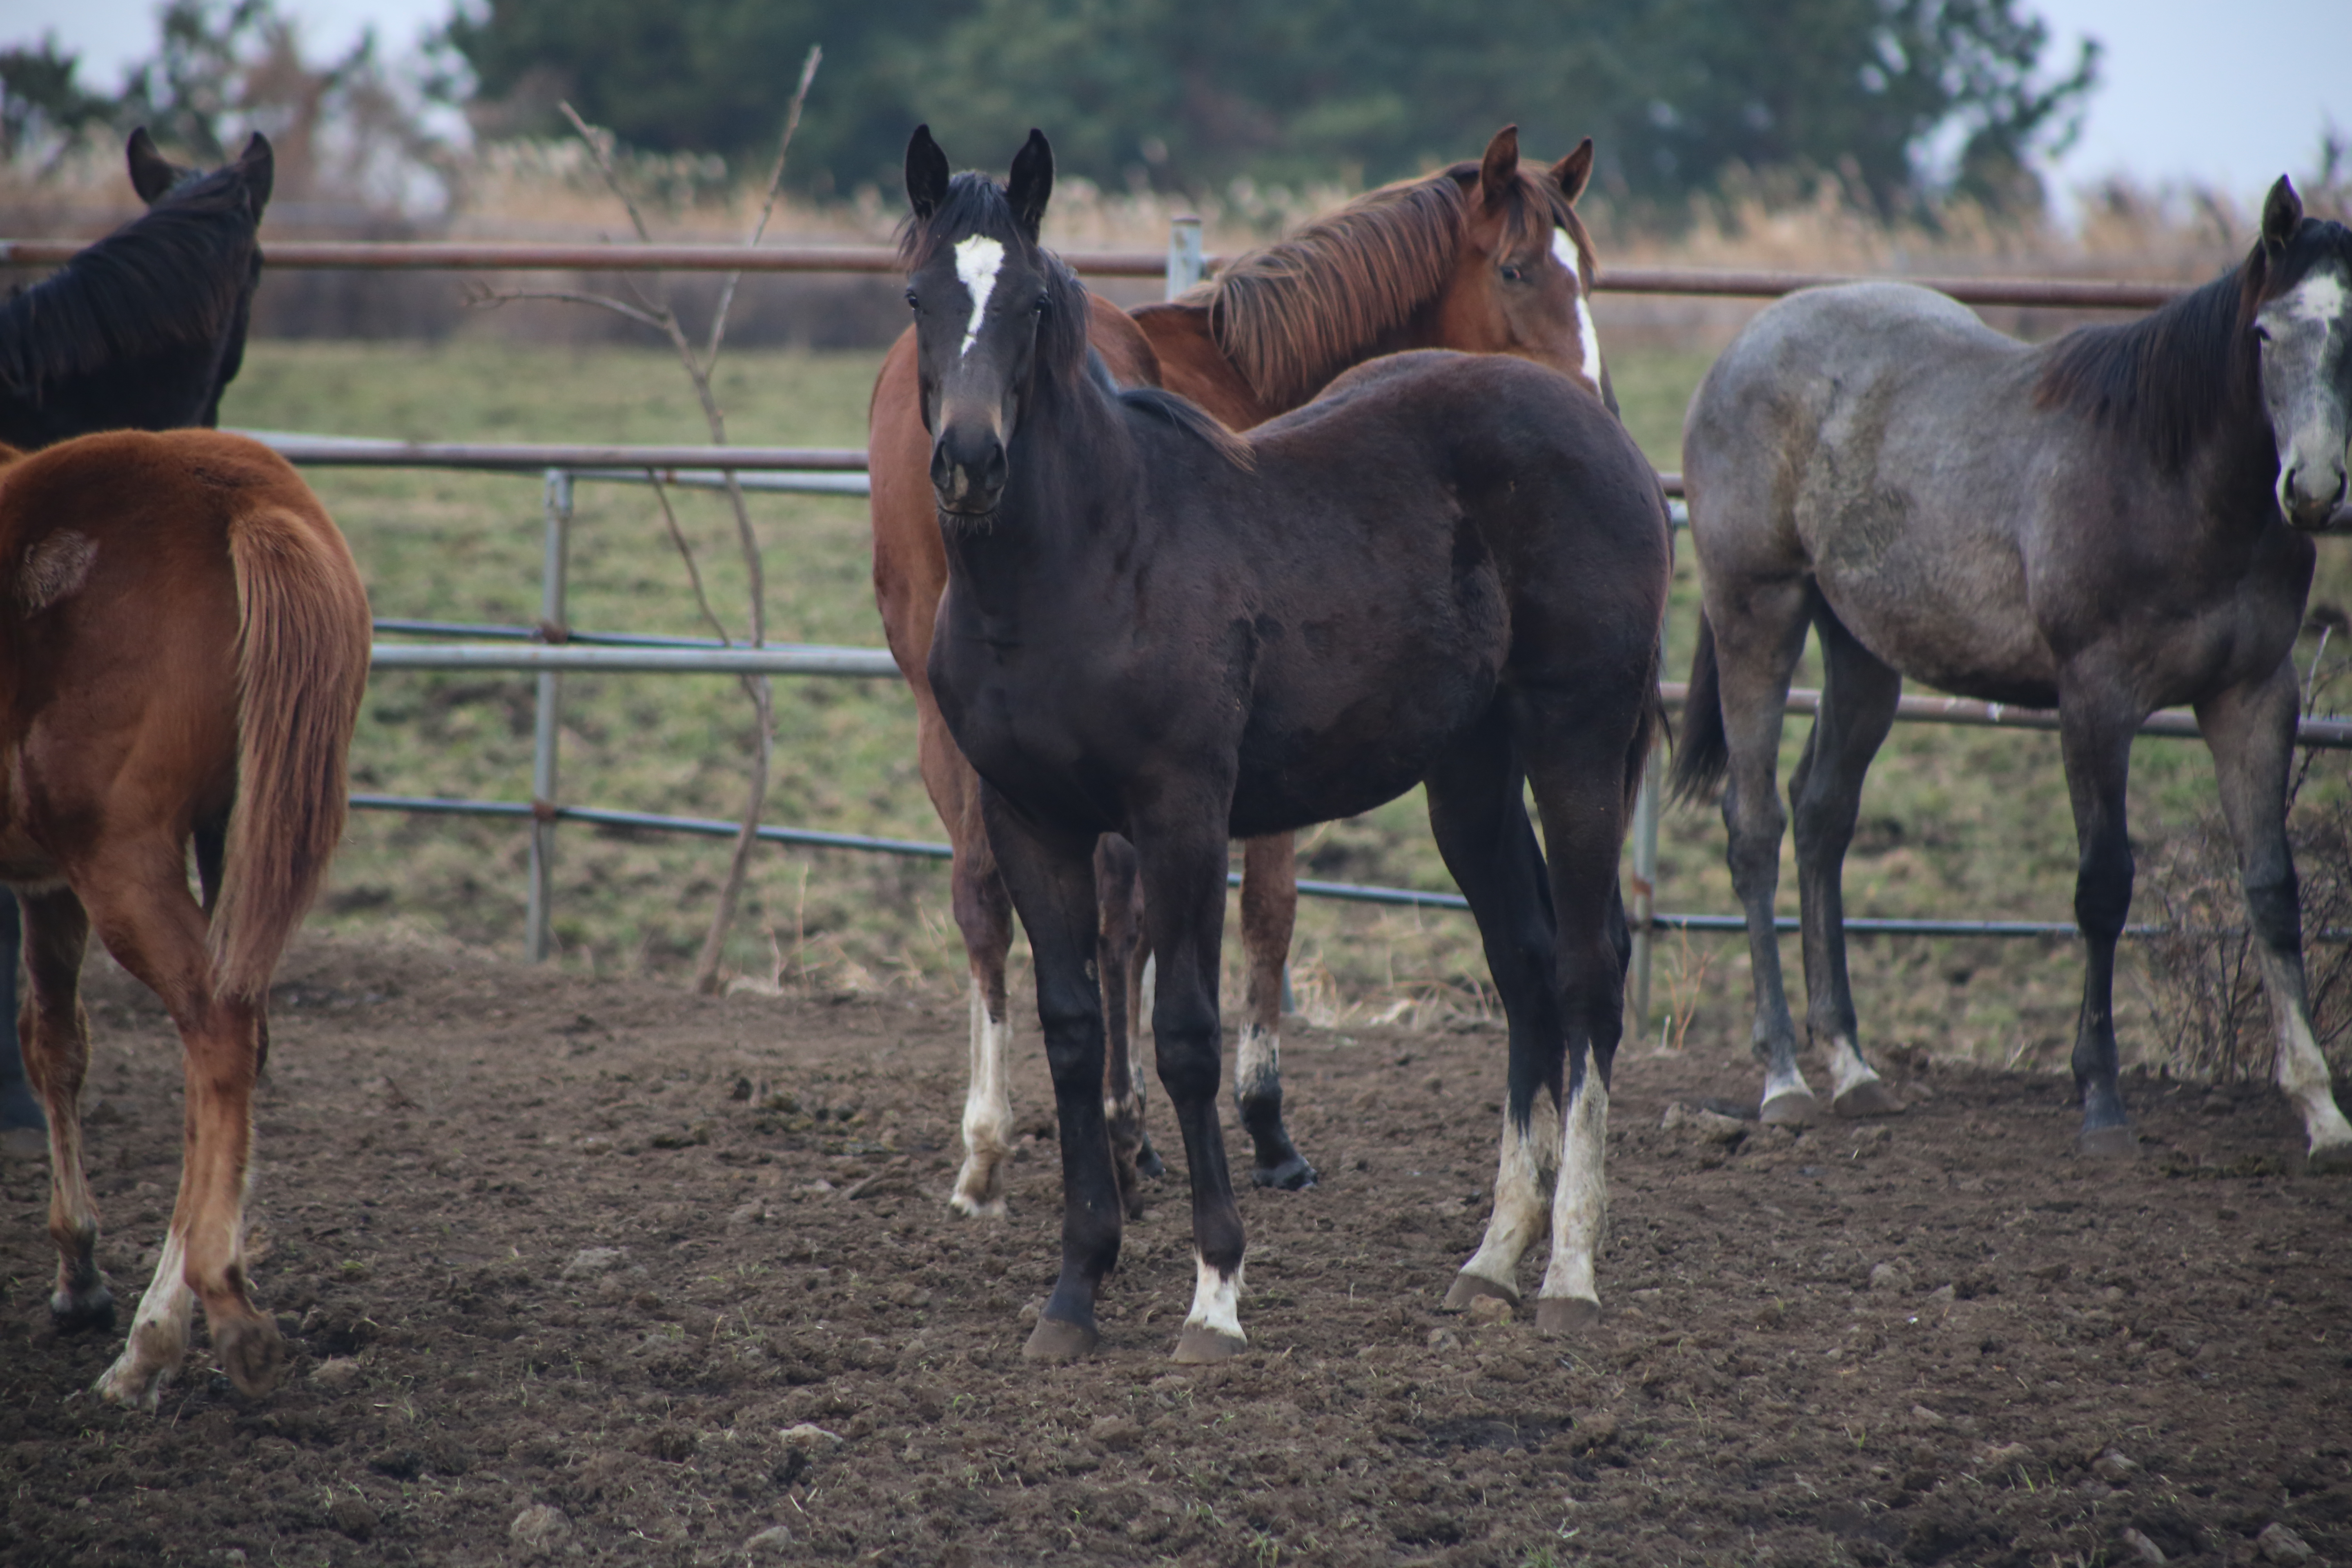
447,256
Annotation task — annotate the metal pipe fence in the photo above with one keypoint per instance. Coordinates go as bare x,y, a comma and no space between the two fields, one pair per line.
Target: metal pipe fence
553,649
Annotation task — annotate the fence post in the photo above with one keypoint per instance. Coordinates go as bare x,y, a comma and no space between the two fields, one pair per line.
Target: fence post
1184,268
548,717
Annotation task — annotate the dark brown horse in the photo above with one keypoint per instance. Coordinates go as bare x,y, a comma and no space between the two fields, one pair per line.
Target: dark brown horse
2109,524
1487,257
184,639
1449,570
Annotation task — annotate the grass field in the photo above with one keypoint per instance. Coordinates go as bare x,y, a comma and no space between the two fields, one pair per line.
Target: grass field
1955,822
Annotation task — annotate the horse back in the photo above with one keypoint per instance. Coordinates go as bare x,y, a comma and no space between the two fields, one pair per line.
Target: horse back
121,618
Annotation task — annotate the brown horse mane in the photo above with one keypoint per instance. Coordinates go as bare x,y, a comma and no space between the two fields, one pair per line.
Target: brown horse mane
1292,316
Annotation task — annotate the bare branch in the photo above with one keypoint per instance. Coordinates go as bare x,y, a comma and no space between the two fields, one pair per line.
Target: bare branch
493,299
767,208
600,148
686,554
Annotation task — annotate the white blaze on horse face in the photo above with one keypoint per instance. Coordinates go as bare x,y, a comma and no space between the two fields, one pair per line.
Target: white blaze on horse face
977,259
2305,342
1563,250
1216,1300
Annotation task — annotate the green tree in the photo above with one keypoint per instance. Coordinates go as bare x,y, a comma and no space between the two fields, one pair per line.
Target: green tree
1189,93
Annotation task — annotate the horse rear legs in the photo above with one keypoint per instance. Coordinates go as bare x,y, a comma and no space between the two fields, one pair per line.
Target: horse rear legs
138,902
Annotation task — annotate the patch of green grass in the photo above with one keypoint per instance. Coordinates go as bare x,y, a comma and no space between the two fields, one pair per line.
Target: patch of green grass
1955,822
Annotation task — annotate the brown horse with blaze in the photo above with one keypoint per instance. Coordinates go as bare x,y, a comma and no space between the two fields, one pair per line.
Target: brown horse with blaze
1487,257
183,641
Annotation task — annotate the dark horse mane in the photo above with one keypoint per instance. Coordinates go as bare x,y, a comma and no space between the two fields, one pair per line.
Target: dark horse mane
2154,379
167,277
1295,314
976,205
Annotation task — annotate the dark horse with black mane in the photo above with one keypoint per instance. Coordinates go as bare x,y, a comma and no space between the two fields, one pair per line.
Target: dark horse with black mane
141,331
2109,524
1448,570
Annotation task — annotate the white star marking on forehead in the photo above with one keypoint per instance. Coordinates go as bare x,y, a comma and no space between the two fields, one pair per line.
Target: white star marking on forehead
2320,297
977,257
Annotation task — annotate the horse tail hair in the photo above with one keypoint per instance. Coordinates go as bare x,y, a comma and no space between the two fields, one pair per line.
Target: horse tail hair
1705,755
1651,730
301,667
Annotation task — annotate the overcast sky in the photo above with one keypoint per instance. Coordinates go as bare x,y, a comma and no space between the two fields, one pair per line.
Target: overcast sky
2229,95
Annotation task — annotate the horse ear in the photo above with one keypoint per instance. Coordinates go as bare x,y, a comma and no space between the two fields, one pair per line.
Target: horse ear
1032,183
1500,166
927,174
1573,172
151,173
260,166
2281,214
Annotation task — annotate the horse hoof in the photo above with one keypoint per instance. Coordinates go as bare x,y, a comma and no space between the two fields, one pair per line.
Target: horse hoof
1557,1317
1148,1164
1199,1344
127,1384
1054,1340
978,1208
1794,1108
2331,1159
1468,1287
251,1352
79,1314
2105,1144
1293,1176
1868,1097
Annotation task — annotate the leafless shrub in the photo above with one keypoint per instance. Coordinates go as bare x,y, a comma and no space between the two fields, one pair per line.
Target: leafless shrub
2202,976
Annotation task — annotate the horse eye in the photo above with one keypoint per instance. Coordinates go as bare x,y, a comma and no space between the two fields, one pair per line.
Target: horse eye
912,301
2261,334
1043,300
1513,274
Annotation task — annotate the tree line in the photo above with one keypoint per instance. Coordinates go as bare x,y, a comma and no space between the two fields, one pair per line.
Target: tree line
1905,99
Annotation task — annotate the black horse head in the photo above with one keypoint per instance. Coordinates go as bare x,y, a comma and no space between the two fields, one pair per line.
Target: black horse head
988,301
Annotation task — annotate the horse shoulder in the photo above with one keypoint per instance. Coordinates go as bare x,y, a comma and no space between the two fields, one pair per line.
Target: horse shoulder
1191,364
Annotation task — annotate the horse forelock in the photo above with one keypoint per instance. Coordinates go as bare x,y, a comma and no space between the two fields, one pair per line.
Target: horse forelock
171,277
1295,314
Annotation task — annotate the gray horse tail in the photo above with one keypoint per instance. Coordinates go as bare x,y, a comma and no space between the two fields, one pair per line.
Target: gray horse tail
1704,754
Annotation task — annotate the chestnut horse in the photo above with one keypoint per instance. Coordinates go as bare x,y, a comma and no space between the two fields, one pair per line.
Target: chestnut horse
184,639
1487,257
142,331
1448,570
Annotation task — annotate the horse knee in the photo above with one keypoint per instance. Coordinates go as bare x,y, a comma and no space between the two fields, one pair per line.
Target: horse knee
2275,909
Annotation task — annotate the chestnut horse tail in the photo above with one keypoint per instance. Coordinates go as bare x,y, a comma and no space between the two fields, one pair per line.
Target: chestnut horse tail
302,664
1705,755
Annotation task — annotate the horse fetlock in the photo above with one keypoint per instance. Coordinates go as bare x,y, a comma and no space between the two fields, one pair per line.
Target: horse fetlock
980,1188
138,1376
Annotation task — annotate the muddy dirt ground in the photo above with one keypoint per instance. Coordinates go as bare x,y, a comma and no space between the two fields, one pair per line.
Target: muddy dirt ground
593,1271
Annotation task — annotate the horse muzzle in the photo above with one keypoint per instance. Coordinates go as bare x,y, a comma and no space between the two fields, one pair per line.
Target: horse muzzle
968,471
2309,493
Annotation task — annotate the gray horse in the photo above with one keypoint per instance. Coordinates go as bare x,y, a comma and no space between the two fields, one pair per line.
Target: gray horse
2110,524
